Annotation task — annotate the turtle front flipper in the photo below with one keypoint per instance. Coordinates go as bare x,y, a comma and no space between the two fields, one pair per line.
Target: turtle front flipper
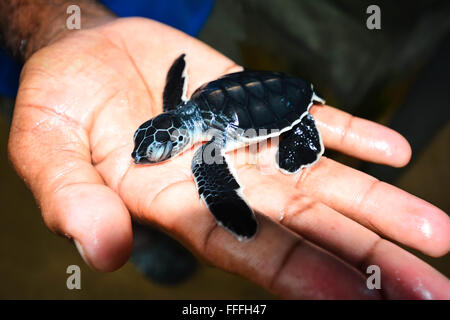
176,84
222,194
300,147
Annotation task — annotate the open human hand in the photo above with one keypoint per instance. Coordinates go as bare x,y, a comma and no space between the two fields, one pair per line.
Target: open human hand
80,101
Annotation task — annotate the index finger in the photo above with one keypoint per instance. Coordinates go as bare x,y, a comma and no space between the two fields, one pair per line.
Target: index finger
361,138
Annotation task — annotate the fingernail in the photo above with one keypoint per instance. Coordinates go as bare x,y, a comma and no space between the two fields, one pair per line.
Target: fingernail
81,251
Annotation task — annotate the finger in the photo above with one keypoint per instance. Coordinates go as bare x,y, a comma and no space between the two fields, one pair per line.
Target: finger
51,153
275,259
361,138
403,276
379,206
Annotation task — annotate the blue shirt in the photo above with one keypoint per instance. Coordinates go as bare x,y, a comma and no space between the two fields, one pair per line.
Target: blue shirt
186,15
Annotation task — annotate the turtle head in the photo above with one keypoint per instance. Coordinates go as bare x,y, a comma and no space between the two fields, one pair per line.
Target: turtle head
159,139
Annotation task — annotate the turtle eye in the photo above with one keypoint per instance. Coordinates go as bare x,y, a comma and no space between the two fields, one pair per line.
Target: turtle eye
167,151
157,152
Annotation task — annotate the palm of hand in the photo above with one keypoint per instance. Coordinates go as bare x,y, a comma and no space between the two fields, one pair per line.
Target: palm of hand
80,102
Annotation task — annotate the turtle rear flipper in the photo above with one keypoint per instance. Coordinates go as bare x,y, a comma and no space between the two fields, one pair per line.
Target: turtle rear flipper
300,147
220,191
176,84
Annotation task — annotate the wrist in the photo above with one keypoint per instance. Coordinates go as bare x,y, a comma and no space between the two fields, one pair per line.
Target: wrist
28,25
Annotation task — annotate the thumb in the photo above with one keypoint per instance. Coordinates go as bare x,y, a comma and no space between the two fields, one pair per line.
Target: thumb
51,153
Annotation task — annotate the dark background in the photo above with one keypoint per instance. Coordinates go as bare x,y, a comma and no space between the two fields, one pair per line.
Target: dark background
398,76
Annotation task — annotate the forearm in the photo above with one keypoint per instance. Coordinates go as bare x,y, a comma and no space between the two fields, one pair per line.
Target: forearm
28,25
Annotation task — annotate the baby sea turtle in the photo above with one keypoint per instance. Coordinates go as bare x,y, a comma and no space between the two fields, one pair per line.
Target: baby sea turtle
222,112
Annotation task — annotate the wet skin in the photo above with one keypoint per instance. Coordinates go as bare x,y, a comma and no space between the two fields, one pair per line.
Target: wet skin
79,116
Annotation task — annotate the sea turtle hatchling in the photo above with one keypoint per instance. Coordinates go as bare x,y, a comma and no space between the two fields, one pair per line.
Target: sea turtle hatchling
222,112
